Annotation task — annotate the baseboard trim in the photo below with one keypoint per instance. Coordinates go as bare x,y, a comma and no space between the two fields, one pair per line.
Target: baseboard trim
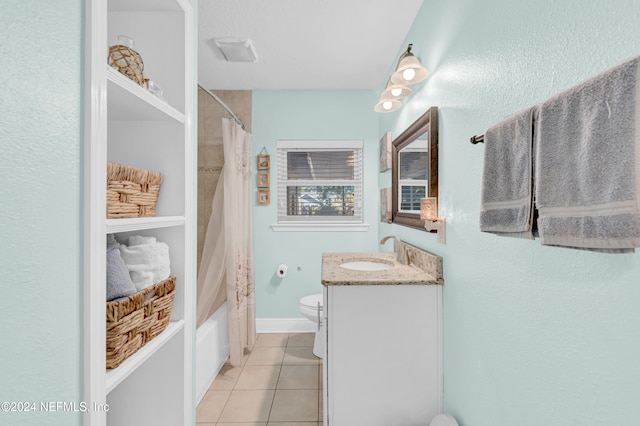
284,325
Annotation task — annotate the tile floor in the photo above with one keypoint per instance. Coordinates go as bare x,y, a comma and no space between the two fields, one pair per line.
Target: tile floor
279,384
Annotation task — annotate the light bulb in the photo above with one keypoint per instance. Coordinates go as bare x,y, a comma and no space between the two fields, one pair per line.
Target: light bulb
396,92
387,104
409,74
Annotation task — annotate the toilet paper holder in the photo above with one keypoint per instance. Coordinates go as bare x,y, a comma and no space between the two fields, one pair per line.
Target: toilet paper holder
281,272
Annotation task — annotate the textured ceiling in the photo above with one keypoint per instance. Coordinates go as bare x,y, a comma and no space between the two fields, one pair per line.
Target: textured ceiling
304,44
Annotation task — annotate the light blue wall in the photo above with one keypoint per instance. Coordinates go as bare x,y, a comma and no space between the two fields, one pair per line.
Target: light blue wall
308,115
41,61
532,335
41,207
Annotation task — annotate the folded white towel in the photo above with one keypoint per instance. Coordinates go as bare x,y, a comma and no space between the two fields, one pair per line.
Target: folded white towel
137,240
587,177
506,199
148,263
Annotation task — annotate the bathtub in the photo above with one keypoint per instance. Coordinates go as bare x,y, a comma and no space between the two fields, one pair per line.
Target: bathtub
212,350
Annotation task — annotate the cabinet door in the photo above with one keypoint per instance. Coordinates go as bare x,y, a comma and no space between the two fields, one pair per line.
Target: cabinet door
383,360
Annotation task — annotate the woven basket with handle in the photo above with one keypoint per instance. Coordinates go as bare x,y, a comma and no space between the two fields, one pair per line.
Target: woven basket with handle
135,320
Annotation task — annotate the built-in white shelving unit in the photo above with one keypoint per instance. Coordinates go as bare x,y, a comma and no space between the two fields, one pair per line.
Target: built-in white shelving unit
116,376
127,124
124,225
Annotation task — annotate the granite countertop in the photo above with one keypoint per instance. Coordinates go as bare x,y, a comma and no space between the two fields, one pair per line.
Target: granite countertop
399,274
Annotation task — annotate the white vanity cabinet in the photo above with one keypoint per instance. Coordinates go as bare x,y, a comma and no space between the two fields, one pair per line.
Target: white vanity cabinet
383,361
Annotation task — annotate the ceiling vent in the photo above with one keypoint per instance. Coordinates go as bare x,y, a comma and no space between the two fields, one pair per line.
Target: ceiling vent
236,49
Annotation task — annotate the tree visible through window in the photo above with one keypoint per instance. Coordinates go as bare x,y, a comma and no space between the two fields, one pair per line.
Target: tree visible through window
320,200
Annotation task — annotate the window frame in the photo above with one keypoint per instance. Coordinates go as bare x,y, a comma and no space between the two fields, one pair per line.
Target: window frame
319,223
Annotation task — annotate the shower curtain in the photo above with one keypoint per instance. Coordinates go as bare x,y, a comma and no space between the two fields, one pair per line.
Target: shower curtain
226,267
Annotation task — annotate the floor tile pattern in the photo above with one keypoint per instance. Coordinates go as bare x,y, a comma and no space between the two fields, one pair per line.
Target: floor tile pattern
278,384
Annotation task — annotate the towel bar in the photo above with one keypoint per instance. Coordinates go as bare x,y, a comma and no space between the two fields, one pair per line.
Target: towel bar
477,139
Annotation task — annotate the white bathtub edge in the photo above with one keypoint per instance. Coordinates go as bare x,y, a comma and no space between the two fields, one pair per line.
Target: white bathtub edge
284,325
212,350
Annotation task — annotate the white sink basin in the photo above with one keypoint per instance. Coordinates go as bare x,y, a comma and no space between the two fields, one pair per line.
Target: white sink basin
366,265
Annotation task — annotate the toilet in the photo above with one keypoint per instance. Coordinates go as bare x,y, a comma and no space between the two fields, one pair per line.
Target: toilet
443,420
311,309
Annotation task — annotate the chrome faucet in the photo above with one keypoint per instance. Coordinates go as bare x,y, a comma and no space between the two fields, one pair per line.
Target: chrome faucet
401,253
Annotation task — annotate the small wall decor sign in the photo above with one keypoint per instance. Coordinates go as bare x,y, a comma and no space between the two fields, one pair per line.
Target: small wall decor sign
385,152
263,179
264,161
264,196
385,205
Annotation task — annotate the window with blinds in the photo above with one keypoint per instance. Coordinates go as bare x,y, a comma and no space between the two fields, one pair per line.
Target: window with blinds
413,175
319,181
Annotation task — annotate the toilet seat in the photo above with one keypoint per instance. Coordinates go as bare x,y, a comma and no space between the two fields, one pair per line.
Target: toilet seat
312,301
443,420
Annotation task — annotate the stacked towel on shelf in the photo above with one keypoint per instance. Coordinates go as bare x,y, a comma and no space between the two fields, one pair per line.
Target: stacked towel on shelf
119,282
506,199
147,261
587,176
137,240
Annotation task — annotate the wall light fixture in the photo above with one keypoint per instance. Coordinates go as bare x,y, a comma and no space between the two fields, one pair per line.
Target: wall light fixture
387,104
396,91
409,69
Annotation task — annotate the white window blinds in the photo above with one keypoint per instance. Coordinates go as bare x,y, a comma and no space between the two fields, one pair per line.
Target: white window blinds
320,181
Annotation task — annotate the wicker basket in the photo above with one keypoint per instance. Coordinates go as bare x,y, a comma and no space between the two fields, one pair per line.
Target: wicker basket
135,320
131,192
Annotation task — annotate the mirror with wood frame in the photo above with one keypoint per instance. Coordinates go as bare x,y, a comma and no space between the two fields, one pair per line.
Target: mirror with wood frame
414,169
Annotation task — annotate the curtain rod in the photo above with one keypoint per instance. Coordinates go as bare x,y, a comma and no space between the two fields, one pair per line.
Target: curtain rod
221,102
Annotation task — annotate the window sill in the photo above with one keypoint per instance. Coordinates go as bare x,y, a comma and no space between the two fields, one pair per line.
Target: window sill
320,227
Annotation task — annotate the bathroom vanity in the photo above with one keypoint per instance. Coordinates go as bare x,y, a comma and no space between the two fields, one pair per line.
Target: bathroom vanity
383,354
